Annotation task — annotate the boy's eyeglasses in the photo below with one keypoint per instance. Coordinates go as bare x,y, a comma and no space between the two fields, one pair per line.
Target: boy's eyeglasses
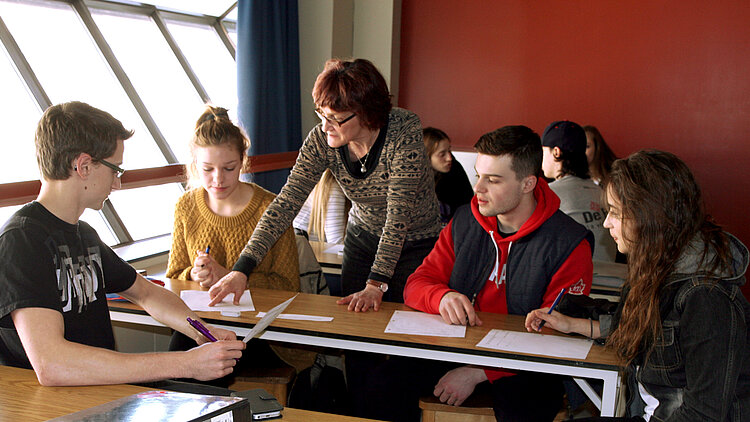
117,169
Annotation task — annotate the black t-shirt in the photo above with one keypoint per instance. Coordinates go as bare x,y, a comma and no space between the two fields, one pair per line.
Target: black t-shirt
48,263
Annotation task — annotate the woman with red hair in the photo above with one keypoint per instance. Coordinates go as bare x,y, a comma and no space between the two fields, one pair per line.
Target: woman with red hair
376,154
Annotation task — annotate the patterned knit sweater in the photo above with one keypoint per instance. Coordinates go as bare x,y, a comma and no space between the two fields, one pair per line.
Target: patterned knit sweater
196,227
394,200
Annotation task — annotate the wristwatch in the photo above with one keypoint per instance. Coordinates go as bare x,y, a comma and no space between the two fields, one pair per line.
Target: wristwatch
383,287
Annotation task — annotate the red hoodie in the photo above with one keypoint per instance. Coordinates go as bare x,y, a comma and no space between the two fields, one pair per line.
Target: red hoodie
426,287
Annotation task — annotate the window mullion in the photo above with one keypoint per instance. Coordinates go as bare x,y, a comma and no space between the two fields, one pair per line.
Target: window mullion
159,21
124,80
23,67
222,32
115,223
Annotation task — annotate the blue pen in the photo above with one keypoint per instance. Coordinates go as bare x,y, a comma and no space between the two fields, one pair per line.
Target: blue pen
208,249
557,300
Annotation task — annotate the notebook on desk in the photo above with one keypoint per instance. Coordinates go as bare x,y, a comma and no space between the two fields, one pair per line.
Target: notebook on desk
165,406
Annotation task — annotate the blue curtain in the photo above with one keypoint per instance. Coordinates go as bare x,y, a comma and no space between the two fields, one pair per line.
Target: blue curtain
268,81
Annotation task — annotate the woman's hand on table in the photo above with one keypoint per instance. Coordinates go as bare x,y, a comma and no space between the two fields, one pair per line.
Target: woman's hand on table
234,282
363,300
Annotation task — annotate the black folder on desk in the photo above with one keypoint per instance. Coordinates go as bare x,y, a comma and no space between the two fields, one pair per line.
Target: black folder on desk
165,406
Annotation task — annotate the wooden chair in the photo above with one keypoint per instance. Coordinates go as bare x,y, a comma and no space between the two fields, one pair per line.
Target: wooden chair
477,408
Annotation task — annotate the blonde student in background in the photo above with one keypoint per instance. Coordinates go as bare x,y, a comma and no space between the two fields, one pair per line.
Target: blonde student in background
323,215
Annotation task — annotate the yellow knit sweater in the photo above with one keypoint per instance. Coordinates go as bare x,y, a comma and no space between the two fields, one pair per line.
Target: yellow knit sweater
196,227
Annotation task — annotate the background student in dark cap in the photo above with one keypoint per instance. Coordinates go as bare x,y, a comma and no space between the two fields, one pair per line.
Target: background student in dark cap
564,161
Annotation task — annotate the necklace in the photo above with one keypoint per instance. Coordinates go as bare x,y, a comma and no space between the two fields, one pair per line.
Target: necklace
363,168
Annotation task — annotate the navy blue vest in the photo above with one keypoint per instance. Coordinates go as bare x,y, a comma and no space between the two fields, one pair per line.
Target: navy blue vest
532,260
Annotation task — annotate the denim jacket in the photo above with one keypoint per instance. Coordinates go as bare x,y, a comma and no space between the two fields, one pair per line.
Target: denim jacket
699,367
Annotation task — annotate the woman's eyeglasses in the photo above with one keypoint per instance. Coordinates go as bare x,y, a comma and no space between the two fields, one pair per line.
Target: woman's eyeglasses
332,120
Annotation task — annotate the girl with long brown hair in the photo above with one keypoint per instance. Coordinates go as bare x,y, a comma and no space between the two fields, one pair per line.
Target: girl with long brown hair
599,155
682,321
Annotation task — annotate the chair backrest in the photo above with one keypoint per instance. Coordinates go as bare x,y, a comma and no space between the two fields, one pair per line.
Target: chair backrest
311,278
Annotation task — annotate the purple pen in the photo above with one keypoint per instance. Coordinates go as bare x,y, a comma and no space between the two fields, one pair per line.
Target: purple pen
202,329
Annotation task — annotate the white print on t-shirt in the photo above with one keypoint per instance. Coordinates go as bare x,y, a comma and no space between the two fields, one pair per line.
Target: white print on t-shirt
577,288
78,281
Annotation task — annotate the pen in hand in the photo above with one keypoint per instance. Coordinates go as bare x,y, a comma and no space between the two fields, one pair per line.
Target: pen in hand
473,298
551,308
208,249
201,329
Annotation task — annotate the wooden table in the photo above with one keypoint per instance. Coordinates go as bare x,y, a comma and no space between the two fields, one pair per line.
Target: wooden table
329,262
23,399
366,332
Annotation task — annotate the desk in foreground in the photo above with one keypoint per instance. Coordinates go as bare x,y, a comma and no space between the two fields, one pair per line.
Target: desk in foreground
23,399
366,332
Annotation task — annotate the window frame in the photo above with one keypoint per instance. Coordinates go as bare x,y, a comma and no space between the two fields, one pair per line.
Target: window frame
18,193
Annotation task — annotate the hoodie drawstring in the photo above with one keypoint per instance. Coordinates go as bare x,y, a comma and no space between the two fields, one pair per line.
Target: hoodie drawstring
499,279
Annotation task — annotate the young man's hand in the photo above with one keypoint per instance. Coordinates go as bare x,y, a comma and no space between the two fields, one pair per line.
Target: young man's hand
457,309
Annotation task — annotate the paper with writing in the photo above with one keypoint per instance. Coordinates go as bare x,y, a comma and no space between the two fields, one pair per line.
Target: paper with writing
268,319
422,324
197,300
535,343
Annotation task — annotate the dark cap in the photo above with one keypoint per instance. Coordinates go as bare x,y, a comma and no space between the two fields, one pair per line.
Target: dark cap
566,135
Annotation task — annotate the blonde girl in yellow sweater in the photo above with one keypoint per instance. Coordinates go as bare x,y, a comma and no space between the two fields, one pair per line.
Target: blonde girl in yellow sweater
213,220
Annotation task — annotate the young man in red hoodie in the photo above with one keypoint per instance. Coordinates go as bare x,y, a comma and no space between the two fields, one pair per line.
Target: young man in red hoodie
510,252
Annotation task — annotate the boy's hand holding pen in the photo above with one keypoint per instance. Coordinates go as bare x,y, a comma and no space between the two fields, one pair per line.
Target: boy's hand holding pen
203,330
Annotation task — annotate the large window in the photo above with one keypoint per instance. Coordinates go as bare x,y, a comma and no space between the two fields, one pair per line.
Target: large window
151,66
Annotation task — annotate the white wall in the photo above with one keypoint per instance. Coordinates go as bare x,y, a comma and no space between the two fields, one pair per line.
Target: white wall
467,160
369,29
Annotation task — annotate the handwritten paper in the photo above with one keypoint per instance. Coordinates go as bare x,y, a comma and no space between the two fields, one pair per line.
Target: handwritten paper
198,300
300,317
267,319
422,324
538,344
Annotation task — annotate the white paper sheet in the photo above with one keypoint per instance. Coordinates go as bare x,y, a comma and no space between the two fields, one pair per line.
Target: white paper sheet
538,344
300,317
198,300
268,319
337,249
422,324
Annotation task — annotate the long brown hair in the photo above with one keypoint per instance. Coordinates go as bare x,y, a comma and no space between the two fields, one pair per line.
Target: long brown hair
432,136
601,163
214,128
662,211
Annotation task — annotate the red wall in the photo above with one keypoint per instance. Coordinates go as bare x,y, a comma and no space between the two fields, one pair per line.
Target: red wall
672,75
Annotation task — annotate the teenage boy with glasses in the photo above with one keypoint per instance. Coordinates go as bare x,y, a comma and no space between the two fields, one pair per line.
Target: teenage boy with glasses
53,309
